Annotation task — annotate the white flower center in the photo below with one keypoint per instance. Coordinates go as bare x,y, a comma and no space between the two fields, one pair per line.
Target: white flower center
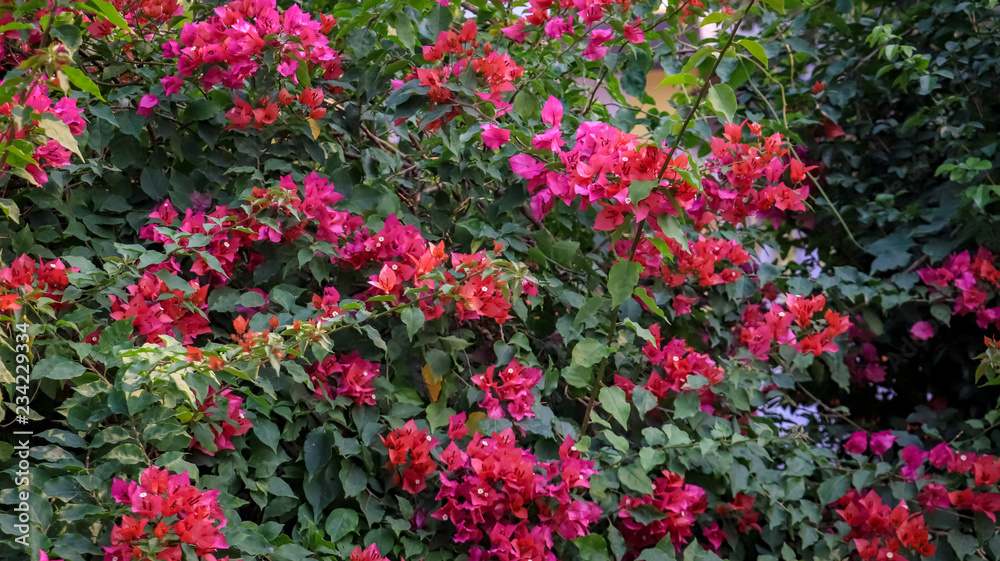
962,457
485,289
781,314
395,267
143,495
416,482
445,518
628,200
381,239
428,438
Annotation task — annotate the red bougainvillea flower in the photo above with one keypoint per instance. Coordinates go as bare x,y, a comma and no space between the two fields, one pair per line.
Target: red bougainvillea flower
370,553
178,512
494,137
680,502
857,443
410,453
506,504
512,385
347,375
225,422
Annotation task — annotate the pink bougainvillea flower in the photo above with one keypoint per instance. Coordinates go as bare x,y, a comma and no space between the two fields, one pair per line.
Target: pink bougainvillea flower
557,27
147,103
552,112
171,84
456,426
922,330
515,32
882,441
494,137
857,443
526,166
633,33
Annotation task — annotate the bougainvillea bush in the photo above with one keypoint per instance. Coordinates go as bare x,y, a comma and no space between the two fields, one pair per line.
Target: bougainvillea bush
438,280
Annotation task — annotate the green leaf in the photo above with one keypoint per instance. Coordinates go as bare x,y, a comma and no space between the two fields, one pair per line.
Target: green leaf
613,401
317,450
622,279
353,478
633,477
592,547
755,49
963,544
639,190
776,5
672,229
107,9
57,368
833,488
374,336
9,208
589,352
714,17
413,317
59,131
678,79
526,104
404,30
118,333
250,300
686,404
644,400
723,100
82,81
200,110
340,523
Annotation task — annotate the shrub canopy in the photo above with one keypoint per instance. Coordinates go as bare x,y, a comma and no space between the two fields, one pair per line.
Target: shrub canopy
437,280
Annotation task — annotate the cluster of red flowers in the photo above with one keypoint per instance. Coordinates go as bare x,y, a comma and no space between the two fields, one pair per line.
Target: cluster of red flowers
370,553
554,27
747,516
702,261
506,504
31,141
761,329
232,420
971,277
738,167
347,375
406,257
479,293
680,504
171,512
673,362
985,470
230,48
159,310
513,387
410,452
879,531
229,231
140,12
495,71
27,279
